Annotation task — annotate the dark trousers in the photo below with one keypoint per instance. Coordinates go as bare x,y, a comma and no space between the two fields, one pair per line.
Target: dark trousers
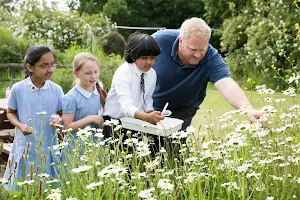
186,114
154,140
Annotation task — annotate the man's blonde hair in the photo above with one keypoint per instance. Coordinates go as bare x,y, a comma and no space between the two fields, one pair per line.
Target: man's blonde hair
81,58
196,27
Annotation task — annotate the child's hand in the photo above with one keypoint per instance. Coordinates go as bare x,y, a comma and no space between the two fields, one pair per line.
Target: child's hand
97,119
155,117
56,122
26,130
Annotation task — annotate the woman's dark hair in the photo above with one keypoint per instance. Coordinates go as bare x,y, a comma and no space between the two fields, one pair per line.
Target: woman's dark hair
33,55
139,44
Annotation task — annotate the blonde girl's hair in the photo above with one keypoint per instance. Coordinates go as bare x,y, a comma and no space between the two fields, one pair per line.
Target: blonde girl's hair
79,60
196,27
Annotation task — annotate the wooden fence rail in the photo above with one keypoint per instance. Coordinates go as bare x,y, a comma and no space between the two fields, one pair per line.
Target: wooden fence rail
14,67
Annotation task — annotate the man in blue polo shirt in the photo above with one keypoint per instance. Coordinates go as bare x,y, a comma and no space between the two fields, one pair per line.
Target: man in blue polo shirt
186,64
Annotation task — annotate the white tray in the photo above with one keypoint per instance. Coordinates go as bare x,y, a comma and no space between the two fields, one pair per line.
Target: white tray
166,128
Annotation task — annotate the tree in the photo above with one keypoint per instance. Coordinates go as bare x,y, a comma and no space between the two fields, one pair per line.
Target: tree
219,10
145,13
116,10
259,37
114,43
40,23
87,6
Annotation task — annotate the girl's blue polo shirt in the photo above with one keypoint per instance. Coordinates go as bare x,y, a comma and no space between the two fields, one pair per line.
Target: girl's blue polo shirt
81,103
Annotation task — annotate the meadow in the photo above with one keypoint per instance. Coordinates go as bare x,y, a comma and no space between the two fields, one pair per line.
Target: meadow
226,157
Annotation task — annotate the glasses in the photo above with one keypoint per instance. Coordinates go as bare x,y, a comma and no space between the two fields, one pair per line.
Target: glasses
46,66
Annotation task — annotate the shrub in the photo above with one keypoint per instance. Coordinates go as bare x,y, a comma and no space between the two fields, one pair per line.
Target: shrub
12,49
254,41
57,28
114,43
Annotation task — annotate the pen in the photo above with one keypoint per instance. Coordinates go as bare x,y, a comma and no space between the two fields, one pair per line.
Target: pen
164,109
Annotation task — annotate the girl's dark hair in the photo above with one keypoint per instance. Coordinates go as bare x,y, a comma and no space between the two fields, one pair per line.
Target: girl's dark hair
33,55
139,44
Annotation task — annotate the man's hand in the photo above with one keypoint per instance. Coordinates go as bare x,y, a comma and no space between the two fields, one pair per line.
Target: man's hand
256,116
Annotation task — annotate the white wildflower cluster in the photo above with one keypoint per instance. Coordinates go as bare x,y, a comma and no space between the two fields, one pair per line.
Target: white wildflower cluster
143,149
244,168
26,182
269,109
179,135
131,141
85,133
262,89
294,78
92,186
235,139
81,169
55,194
290,92
113,170
152,164
165,185
99,133
60,146
147,194
112,122
231,185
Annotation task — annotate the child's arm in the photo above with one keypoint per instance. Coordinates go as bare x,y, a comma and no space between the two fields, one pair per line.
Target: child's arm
75,125
14,120
152,117
124,93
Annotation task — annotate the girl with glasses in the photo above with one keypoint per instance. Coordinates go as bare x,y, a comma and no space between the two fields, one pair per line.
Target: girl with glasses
31,103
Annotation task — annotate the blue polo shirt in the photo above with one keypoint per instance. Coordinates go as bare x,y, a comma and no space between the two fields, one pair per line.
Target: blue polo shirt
183,86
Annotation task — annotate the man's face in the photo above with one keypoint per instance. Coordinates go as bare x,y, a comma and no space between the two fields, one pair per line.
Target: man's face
192,49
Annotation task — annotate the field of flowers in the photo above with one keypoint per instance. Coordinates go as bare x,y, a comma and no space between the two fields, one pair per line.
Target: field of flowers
239,161
231,159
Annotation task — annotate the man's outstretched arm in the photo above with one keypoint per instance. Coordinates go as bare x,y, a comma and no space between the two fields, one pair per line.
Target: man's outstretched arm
235,96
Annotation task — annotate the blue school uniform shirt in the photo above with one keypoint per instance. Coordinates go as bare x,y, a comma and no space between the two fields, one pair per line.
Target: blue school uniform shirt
34,107
81,103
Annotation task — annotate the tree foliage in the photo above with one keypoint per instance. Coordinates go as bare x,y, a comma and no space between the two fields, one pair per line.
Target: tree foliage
147,13
116,9
114,43
87,6
12,49
261,36
60,29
